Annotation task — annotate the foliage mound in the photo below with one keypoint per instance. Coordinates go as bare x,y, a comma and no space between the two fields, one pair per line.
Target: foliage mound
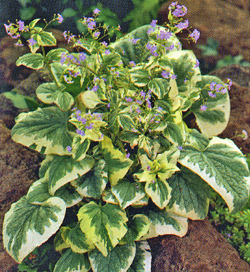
120,163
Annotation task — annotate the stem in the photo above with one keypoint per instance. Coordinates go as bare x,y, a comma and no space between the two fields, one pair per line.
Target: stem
187,114
91,70
49,68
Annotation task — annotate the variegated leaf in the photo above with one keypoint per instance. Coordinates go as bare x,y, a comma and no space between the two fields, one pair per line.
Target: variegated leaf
46,128
27,226
164,222
77,240
118,259
143,258
116,161
72,262
34,61
159,191
189,196
93,183
63,169
104,225
215,118
127,192
223,167
137,227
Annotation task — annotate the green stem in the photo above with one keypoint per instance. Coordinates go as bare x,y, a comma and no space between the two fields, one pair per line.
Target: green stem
187,114
49,68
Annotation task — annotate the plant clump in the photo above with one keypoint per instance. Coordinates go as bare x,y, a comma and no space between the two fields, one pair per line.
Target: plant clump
120,163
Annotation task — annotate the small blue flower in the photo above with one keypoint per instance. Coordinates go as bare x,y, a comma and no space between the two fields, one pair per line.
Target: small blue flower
153,23
203,107
59,18
96,11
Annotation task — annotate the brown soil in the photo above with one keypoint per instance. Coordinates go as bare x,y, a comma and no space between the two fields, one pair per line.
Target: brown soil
226,21
202,250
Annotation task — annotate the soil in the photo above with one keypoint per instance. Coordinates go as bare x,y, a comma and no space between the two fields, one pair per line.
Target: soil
202,249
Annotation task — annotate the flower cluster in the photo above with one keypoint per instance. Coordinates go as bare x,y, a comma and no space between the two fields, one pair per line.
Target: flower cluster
177,24
88,125
177,10
15,30
215,88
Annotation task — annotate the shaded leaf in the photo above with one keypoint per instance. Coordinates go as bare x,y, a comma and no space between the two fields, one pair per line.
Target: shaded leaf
72,262
118,259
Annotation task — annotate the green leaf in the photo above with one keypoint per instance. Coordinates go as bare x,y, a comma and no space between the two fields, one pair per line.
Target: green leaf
69,194
69,12
93,183
45,127
63,169
143,12
34,61
59,243
164,222
108,197
126,122
38,192
143,258
139,76
104,225
48,92
111,60
77,240
33,23
223,167
80,148
21,101
137,227
26,13
72,262
64,100
159,86
159,191
116,161
210,48
45,38
90,99
27,226
118,259
215,119
130,137
127,192
55,54
57,70
189,196
173,133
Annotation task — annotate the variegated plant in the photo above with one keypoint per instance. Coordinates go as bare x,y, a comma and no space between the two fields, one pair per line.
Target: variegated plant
118,153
